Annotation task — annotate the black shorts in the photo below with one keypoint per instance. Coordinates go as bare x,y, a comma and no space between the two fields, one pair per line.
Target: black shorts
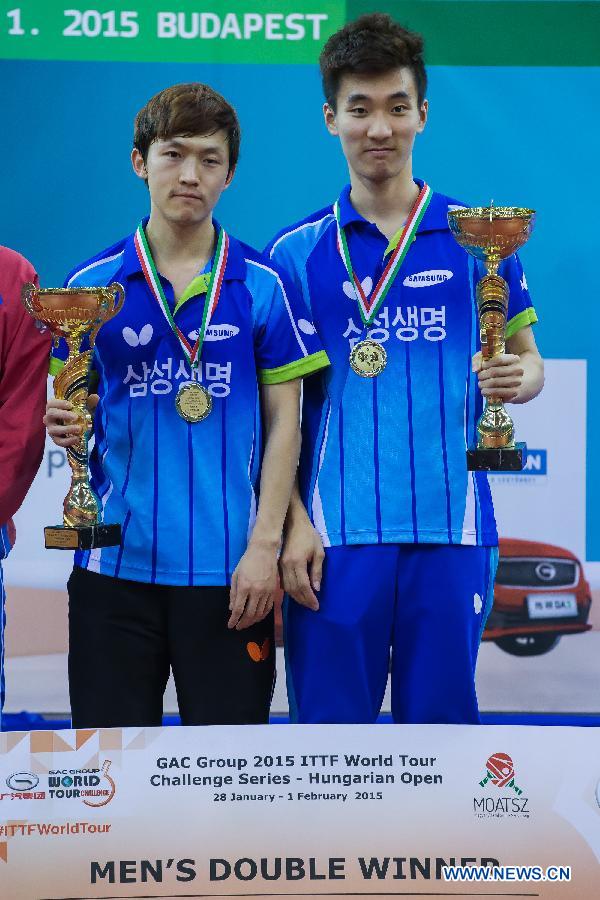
125,636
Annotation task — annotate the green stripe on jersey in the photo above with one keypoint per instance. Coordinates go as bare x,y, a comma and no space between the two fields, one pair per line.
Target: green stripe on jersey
197,286
394,241
55,366
521,320
305,366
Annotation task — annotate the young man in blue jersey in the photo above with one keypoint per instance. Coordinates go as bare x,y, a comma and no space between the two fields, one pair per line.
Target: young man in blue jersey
409,538
198,405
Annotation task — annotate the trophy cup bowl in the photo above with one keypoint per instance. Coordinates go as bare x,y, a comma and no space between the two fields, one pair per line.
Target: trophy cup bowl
74,314
493,231
492,234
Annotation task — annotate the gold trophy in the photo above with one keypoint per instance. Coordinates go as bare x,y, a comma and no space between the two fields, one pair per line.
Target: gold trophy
491,234
73,313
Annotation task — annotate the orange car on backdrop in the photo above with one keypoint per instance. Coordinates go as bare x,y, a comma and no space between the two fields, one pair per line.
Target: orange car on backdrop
540,595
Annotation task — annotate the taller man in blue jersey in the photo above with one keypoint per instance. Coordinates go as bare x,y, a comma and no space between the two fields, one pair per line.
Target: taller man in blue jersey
409,537
198,407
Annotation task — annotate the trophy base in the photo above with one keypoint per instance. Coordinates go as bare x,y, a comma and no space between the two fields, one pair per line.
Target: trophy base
84,537
497,459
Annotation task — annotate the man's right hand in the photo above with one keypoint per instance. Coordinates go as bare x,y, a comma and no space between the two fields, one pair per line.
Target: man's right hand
63,423
301,562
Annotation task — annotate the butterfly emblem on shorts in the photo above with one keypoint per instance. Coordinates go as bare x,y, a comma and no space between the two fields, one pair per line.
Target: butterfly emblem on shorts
138,340
350,290
259,653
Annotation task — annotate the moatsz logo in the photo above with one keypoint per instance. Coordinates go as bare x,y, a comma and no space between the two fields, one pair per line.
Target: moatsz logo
428,278
500,772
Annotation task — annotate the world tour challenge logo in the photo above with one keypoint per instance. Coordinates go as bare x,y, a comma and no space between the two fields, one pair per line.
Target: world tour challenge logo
95,787
500,772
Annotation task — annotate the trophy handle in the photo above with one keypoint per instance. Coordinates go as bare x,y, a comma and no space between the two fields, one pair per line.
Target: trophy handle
28,292
118,296
113,298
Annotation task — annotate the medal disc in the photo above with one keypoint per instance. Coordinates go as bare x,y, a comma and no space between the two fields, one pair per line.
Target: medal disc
193,402
368,358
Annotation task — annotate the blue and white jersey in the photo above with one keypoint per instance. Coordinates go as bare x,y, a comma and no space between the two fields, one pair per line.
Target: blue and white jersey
383,459
185,494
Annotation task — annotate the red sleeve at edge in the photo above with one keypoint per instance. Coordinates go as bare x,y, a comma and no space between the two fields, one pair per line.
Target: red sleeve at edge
24,352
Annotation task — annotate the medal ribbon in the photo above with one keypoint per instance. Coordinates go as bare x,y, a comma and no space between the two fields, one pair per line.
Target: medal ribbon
192,354
369,307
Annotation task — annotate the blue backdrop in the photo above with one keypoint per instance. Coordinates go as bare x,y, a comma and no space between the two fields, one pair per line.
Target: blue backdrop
524,136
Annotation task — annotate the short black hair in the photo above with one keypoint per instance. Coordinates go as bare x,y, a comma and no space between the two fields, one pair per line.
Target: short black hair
371,44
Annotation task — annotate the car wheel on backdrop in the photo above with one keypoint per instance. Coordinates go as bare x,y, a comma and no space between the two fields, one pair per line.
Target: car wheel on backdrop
528,644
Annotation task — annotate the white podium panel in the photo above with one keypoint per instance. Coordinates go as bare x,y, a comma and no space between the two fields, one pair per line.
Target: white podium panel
300,810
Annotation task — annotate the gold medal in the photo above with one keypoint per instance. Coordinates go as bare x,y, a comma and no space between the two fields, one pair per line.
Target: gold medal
368,358
193,402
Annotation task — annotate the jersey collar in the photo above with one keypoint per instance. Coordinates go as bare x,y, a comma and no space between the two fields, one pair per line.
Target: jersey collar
435,218
235,268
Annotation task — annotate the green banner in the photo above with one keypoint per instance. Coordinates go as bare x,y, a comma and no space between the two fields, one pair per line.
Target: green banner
228,31
498,32
458,32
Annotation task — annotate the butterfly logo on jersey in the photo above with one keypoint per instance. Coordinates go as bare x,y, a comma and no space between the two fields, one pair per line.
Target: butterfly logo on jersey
306,327
138,340
350,290
259,653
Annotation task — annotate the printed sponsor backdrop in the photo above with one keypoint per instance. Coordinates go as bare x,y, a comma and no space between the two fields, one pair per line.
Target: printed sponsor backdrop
318,810
511,89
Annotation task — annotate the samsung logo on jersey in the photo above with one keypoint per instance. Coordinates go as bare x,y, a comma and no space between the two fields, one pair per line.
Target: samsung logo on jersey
220,332
427,279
